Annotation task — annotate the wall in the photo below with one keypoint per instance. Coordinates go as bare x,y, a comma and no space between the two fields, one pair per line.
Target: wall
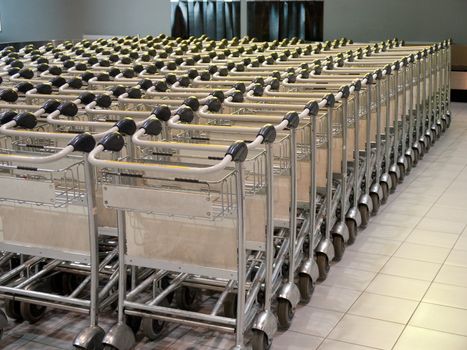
32,20
411,20
126,17
361,20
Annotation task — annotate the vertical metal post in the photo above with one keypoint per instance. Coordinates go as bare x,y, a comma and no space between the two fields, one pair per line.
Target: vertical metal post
396,117
329,173
378,129
93,241
387,143
293,204
404,110
417,102
344,159
240,254
368,141
270,227
356,163
312,187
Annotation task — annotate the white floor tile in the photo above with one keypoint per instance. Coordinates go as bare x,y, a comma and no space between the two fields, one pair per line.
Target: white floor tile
422,252
330,344
398,287
438,239
446,294
440,318
415,338
383,308
361,260
415,269
367,332
295,341
450,274
441,225
397,219
333,298
349,278
313,321
390,232
375,246
458,258
450,213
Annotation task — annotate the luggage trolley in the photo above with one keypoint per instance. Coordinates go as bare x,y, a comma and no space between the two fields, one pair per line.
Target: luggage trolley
214,212
41,182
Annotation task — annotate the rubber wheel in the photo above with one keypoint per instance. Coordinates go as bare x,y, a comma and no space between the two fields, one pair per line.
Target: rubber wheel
109,347
365,214
323,266
230,305
416,157
188,298
285,314
394,181
134,322
153,329
443,125
339,247
31,312
402,172
259,340
306,288
385,190
352,227
13,309
409,165
376,203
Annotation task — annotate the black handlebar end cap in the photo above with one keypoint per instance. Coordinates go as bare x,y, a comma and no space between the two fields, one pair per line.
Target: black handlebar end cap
7,116
50,106
293,119
113,142
26,120
152,126
313,108
186,114
126,126
268,132
192,102
84,142
162,112
238,151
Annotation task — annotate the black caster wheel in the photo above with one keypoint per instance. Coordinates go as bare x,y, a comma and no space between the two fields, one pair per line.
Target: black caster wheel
306,288
31,312
154,329
385,189
323,266
394,182
376,203
443,125
134,322
230,305
365,214
409,165
188,298
339,247
402,172
416,157
259,340
352,227
13,309
285,314
3,322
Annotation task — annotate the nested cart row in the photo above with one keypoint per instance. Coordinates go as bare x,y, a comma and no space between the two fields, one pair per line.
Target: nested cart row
124,155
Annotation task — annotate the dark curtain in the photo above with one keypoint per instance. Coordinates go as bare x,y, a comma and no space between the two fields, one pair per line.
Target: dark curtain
216,19
270,20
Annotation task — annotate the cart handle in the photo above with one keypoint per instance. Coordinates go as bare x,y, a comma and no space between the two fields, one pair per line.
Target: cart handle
237,152
80,143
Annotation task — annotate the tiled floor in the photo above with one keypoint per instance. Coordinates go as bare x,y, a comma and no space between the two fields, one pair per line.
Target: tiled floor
402,285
